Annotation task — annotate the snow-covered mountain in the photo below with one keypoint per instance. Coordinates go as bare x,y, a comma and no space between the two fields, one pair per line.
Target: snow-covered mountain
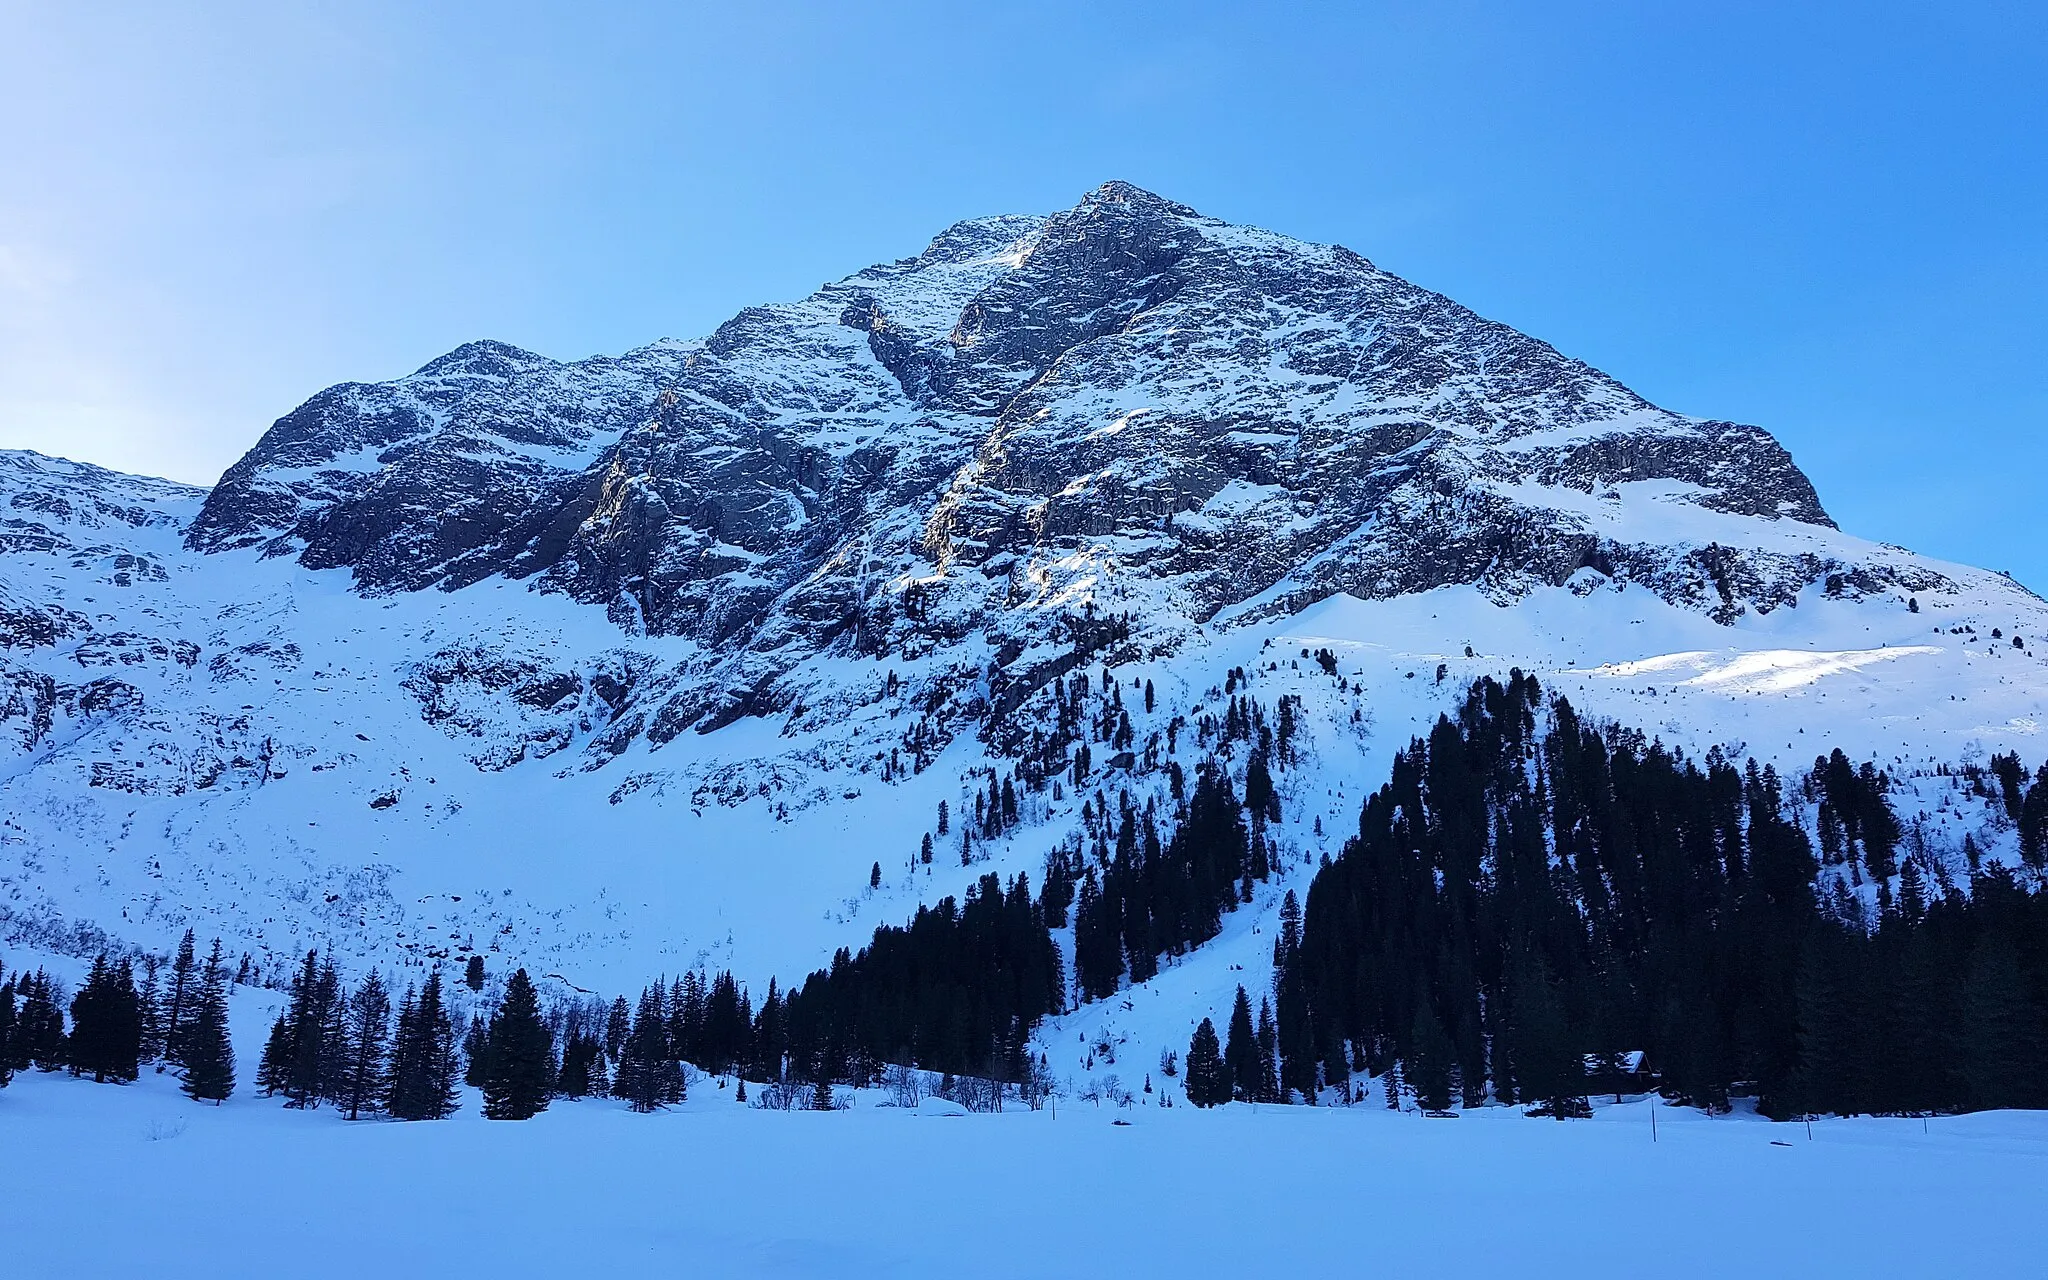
638,663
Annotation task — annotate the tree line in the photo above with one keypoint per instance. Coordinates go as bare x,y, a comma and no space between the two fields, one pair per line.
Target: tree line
118,1025
1522,912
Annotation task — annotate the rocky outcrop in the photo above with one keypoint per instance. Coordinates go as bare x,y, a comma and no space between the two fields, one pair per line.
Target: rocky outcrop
1123,408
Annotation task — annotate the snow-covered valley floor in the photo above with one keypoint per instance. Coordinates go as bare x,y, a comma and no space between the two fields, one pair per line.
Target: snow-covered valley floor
105,1181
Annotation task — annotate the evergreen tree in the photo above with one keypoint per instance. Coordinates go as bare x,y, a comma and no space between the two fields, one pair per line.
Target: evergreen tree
581,1073
1295,1031
476,1051
648,1077
2005,1051
473,973
1241,1051
366,1031
1428,1065
1207,1079
1269,1045
522,1062
38,1038
6,1032
209,1057
307,1020
273,1069
178,994
423,1058
1260,799
149,1001
618,1024
106,1024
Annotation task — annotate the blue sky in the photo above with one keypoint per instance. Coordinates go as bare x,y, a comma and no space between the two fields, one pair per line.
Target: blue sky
1830,220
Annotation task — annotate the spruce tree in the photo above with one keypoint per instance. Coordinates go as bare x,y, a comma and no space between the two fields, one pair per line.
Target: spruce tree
1428,1066
1207,1081
272,1070
39,1038
522,1066
106,1024
423,1059
306,1021
1241,1051
579,1059
330,1069
476,1051
367,1082
2004,1046
6,1032
148,1000
209,1074
647,1077
1268,1040
618,1024
178,994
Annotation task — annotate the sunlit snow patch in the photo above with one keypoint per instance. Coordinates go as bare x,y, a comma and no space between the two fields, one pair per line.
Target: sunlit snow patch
1759,671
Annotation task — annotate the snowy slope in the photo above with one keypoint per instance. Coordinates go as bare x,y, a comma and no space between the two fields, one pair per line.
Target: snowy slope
629,666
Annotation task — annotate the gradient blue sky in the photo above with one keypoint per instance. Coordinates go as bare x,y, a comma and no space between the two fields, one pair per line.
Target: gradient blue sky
1830,220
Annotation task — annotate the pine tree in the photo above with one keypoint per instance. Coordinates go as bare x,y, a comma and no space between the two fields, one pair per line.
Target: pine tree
647,1077
476,1051
367,1028
209,1055
522,1063
106,1024
6,1032
330,1063
148,1000
579,1061
177,999
38,1037
1241,1051
2004,1045
1295,1031
423,1058
1268,1044
272,1070
618,1024
306,1021
1428,1066
1207,1081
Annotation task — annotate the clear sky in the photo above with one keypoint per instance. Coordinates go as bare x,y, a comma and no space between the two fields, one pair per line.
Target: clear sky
1829,220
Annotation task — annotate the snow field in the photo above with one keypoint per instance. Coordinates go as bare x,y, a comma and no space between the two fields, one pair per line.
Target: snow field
107,1181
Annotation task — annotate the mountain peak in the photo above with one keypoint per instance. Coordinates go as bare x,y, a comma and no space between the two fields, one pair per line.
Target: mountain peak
1122,406
1129,195
485,357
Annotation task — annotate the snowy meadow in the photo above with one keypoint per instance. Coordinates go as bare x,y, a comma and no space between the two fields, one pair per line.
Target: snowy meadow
139,1181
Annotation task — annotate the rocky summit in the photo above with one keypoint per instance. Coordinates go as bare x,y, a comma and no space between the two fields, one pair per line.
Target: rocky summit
1122,408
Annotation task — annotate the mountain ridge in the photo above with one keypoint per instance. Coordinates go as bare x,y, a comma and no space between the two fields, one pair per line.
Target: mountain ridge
1122,389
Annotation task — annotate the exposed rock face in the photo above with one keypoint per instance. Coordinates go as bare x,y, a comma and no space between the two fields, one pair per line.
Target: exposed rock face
1125,407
